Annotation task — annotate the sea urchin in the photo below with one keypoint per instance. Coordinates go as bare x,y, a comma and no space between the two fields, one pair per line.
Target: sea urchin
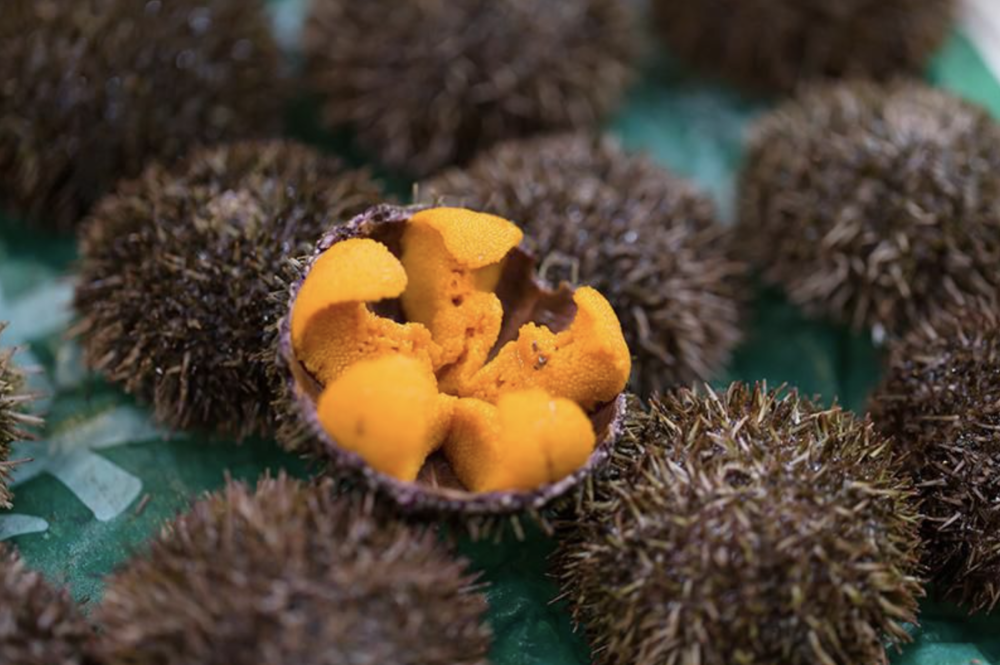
774,45
39,625
289,574
92,89
13,419
428,84
647,240
179,266
876,204
744,527
940,401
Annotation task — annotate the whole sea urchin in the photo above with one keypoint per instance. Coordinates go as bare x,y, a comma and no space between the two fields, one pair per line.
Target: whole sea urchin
92,89
876,204
428,84
288,574
647,240
744,527
39,625
765,45
13,420
179,266
940,401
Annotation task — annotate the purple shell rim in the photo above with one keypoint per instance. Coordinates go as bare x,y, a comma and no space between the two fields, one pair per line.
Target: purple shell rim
415,497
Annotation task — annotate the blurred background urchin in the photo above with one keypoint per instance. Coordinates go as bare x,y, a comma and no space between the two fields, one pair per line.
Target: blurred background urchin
776,45
648,240
92,89
428,83
875,204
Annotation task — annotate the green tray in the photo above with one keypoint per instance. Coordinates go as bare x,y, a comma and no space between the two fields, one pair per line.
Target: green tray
105,477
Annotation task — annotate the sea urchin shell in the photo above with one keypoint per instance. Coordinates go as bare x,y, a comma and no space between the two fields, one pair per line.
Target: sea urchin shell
743,527
92,89
289,574
434,483
940,401
646,239
876,204
179,266
39,625
765,45
428,84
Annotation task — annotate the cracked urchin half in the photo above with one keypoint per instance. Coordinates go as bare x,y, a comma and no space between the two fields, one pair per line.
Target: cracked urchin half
775,45
428,84
92,89
875,204
940,401
39,625
291,574
646,239
14,422
178,270
746,527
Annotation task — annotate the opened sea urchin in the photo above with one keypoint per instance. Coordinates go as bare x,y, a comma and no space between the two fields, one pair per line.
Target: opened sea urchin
92,89
940,401
428,84
289,574
39,625
743,527
13,419
178,268
875,204
647,240
425,360
774,45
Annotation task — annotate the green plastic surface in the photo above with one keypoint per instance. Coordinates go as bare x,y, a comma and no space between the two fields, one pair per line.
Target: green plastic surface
102,455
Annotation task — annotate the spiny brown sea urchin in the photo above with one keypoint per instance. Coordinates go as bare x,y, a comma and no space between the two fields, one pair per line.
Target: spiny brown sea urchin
875,203
940,401
644,238
289,574
744,527
92,89
428,84
39,625
13,420
774,45
178,268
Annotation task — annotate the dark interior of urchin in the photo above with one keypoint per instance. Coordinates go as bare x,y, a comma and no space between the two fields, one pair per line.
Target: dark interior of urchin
524,300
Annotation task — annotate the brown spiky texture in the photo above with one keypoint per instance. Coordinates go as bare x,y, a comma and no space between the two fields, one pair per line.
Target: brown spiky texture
39,625
775,45
178,267
292,574
875,204
940,400
15,424
427,84
646,239
92,89
743,527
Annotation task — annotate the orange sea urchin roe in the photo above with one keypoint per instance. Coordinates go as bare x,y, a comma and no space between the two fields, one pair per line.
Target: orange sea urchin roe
526,440
332,326
453,259
389,411
588,363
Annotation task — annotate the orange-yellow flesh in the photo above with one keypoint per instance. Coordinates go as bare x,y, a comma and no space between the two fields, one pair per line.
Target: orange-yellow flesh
389,411
588,363
332,326
453,258
526,440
